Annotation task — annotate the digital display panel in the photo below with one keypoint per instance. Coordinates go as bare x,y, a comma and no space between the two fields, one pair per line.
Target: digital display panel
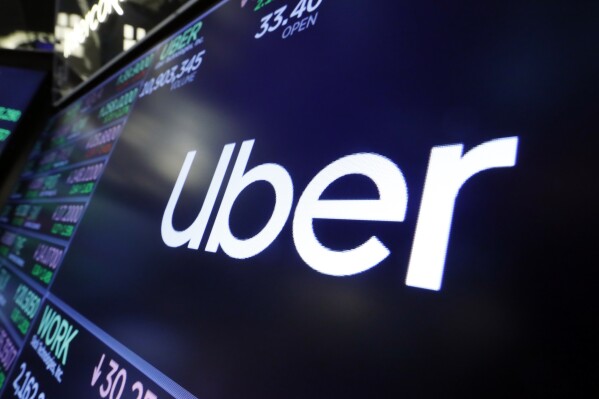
37,224
17,88
314,198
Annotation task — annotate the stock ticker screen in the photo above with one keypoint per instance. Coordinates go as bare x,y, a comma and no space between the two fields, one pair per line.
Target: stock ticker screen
316,198
17,88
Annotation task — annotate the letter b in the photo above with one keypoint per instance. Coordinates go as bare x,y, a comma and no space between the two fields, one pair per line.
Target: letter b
271,173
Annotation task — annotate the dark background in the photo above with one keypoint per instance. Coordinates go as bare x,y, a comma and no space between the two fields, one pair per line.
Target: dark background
517,310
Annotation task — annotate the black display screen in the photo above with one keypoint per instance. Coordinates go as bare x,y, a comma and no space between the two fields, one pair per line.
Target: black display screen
315,198
17,88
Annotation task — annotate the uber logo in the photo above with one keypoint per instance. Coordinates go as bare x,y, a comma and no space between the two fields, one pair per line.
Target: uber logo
448,170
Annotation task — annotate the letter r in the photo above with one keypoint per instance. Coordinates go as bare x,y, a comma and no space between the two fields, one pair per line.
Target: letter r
447,172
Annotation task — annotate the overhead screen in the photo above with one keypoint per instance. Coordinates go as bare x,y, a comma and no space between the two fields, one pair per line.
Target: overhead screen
17,88
90,34
314,198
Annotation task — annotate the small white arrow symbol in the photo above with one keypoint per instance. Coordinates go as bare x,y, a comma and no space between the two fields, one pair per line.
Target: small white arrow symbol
97,372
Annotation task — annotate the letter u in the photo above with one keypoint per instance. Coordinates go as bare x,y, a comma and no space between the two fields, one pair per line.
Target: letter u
194,233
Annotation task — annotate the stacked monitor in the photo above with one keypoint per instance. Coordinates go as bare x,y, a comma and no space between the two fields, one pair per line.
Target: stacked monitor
310,198
18,86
